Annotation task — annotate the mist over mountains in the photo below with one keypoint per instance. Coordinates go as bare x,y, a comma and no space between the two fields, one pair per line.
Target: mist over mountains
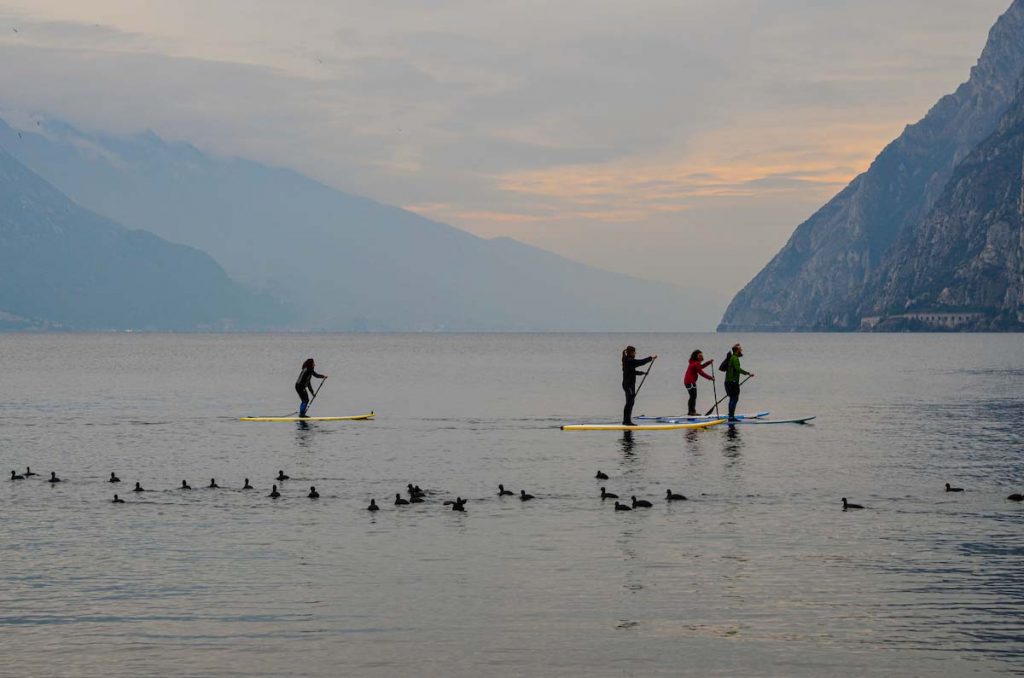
339,262
64,267
924,239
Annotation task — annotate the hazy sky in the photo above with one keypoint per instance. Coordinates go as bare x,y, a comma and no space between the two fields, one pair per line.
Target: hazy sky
680,140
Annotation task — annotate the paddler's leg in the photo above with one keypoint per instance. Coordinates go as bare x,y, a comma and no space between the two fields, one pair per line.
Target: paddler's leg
627,411
305,401
733,389
691,405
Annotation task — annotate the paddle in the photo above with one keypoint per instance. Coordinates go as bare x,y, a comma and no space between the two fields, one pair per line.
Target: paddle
319,386
645,377
715,406
714,389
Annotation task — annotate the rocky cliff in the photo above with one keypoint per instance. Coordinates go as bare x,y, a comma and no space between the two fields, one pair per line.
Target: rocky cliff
965,260
817,281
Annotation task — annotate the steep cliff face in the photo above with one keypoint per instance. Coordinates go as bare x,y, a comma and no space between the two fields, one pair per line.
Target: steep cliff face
966,257
817,280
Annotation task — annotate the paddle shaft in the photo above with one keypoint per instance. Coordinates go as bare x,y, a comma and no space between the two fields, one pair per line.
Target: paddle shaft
724,397
645,378
714,389
318,387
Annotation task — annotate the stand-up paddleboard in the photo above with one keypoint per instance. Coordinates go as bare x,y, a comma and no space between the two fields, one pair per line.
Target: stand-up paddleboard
642,427
683,418
799,420
355,417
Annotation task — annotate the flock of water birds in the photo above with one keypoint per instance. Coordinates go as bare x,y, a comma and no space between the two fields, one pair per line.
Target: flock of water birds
419,496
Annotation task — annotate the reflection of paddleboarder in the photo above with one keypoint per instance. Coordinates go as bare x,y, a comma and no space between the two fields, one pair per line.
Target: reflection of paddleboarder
302,385
629,372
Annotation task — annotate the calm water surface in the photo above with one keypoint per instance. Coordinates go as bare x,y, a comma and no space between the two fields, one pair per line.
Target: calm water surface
760,573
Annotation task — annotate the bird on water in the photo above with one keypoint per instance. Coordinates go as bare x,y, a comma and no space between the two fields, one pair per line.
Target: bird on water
669,496
53,477
848,506
525,497
601,475
15,476
28,472
1016,497
622,507
281,476
313,494
247,486
502,492
641,503
185,485
274,494
607,495
399,501
953,489
117,500
373,506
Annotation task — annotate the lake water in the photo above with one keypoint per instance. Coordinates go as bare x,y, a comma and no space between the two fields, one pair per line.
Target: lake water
760,573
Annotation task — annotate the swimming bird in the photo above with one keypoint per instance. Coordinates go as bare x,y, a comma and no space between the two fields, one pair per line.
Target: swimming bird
1016,497
185,485
53,477
313,494
847,505
607,495
524,497
673,497
502,492
373,506
413,491
28,472
459,504
401,502
953,489
281,476
641,503
15,476
213,484
622,507
274,494
415,500
138,487
117,500
601,476
247,486
418,491
113,478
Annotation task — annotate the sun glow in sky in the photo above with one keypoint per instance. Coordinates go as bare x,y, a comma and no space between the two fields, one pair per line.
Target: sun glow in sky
680,140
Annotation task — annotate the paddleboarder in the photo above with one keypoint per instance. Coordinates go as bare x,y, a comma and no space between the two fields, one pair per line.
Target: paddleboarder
302,385
732,378
693,370
630,363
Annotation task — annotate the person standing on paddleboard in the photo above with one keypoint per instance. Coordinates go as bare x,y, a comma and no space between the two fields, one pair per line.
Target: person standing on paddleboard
732,378
302,385
629,373
693,370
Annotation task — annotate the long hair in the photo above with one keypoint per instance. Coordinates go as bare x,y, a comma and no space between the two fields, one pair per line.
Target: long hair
693,356
628,349
308,365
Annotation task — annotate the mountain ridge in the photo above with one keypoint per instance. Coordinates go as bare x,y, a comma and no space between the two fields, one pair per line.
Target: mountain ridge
816,281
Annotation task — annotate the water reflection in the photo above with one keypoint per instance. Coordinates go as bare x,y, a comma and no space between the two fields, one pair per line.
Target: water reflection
627,443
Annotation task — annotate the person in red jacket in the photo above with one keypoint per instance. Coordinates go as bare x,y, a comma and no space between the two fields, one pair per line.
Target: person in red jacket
693,370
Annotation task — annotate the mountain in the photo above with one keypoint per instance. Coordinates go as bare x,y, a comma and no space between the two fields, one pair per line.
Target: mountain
963,266
64,267
818,278
343,262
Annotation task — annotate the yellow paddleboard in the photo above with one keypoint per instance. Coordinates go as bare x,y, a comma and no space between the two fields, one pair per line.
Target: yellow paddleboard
645,427
355,417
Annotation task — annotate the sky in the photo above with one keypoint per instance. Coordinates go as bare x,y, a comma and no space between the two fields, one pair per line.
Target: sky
677,140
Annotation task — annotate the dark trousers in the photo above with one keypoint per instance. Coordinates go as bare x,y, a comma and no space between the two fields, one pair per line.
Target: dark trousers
732,389
301,390
691,405
627,411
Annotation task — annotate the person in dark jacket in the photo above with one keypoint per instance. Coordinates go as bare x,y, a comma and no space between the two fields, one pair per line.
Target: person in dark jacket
302,385
693,370
630,363
732,378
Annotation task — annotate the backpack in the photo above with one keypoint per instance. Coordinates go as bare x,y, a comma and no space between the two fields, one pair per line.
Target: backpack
724,365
